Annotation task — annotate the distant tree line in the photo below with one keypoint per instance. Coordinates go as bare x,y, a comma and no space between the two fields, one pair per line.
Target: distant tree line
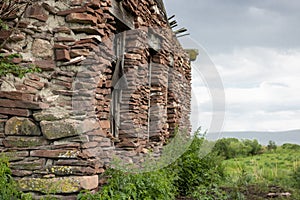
232,148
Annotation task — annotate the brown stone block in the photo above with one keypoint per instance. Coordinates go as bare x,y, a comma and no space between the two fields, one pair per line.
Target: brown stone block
62,29
89,145
62,55
45,65
105,124
66,73
21,173
94,4
5,34
77,2
22,127
24,142
60,129
63,83
16,95
16,155
36,12
73,10
33,77
28,165
64,39
22,104
3,116
93,152
35,84
88,30
49,8
60,46
81,18
74,183
62,154
98,132
84,163
15,112
71,170
79,52
2,125
26,89
90,46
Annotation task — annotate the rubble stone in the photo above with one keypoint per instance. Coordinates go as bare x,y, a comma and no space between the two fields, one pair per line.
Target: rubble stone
21,126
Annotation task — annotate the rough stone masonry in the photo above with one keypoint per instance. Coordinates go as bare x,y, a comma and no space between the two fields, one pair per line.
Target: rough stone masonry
114,82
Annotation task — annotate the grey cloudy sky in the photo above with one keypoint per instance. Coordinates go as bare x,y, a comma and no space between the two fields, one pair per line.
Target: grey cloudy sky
255,47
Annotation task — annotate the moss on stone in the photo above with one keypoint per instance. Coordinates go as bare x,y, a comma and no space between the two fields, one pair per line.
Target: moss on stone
21,126
50,186
24,141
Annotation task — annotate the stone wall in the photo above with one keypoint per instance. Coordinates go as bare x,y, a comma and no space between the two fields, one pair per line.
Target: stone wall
114,82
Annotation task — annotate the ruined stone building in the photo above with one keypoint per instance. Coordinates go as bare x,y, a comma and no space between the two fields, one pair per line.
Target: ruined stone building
114,82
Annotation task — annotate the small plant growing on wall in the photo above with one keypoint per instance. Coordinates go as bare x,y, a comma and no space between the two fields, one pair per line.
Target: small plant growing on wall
8,67
9,11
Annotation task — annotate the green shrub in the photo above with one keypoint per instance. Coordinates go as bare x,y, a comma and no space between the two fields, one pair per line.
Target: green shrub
271,146
196,172
190,175
147,186
8,187
289,146
296,178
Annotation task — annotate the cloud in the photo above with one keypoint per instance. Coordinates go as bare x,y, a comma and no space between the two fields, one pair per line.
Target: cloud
222,25
262,88
255,47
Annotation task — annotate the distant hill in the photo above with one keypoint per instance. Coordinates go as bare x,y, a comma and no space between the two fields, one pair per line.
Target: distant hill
263,137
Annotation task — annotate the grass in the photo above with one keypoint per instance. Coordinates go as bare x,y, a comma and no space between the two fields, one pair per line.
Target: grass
273,167
262,172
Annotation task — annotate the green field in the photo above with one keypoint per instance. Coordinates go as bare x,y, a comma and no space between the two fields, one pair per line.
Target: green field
271,167
254,177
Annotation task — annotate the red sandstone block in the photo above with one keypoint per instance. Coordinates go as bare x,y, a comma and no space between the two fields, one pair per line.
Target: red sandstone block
27,89
49,8
60,46
81,18
62,29
45,65
15,112
94,3
89,145
36,12
79,52
64,39
35,84
62,55
105,124
77,2
22,104
16,95
73,10
63,154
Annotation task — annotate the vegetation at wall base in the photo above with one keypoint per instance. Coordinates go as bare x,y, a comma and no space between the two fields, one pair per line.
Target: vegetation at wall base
8,187
123,185
191,177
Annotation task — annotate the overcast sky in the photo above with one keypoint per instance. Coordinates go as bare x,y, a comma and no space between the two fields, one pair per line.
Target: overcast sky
255,48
